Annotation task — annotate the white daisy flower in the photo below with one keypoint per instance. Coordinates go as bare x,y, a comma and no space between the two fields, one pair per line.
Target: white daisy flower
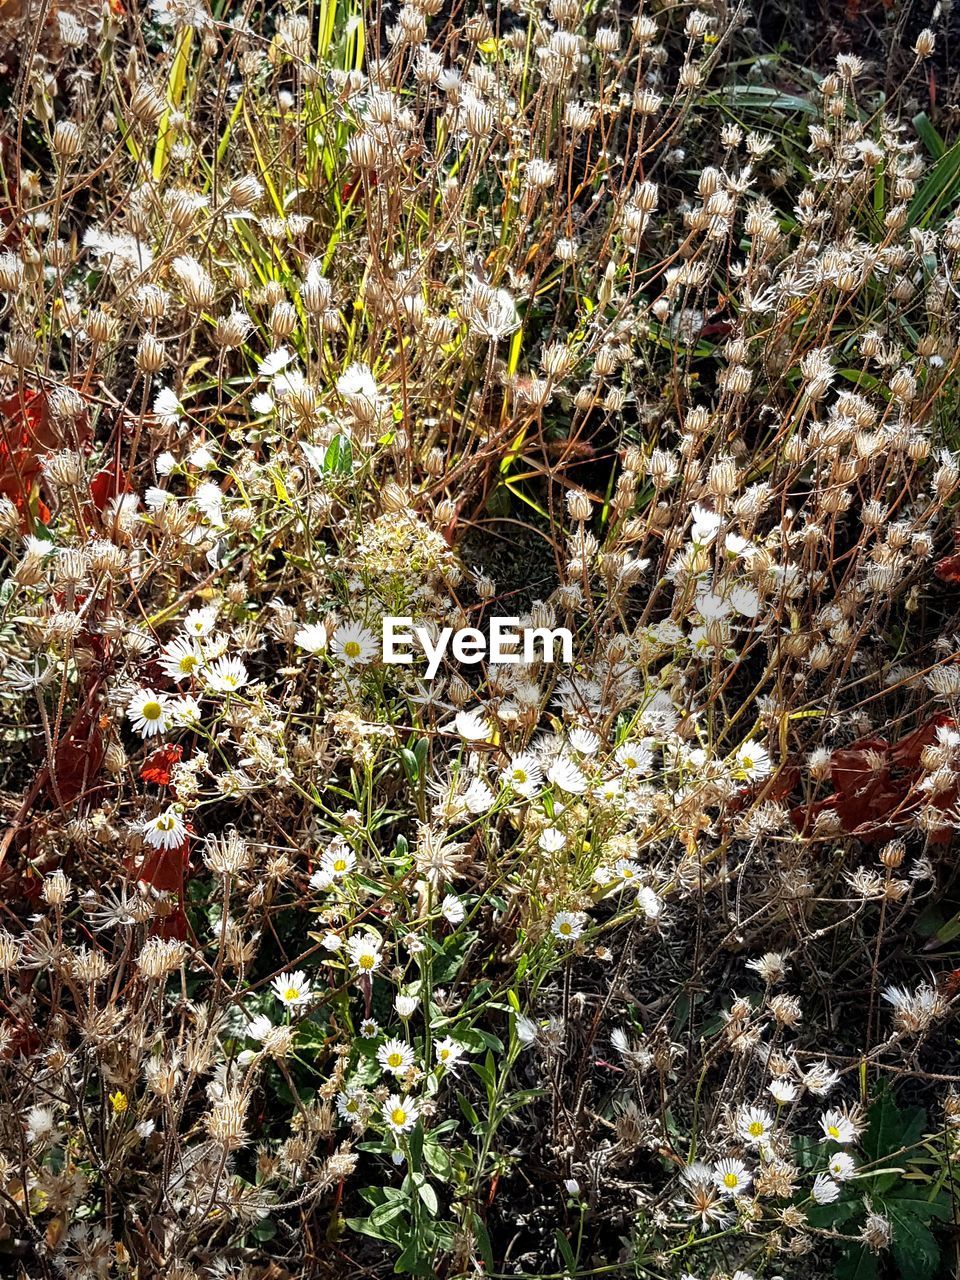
478,797
292,989
358,387
148,712
312,637
354,644
180,659
584,740
754,1126
825,1190
551,840
705,525
523,775
274,362
752,761
200,622
634,757
473,726
732,1177
338,860
365,951
400,1114
842,1166
406,1006
225,675
837,1127
563,773
167,407
166,831
184,711
567,926
448,1052
351,1102
395,1057
452,909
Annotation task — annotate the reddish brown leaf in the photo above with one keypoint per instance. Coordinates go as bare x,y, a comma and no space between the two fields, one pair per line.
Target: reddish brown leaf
78,757
948,569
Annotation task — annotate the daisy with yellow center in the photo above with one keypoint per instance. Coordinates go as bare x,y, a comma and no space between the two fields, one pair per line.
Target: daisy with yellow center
292,989
400,1114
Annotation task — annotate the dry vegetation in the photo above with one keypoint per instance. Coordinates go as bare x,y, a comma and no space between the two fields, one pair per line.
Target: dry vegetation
582,312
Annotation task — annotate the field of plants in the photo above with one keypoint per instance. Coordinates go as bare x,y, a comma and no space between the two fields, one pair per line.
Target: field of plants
637,320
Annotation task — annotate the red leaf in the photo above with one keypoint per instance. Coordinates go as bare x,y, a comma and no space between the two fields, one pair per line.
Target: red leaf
27,432
157,767
108,483
948,569
78,757
165,869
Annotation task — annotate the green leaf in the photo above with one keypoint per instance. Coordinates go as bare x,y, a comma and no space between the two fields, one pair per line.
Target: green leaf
429,1197
469,1112
891,1130
857,1263
566,1253
338,458
411,766
385,1213
915,1250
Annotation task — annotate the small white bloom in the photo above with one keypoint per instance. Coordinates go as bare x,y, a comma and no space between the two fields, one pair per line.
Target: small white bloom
732,1177
448,1053
563,773
473,726
167,407
166,831
274,362
825,1190
452,909
226,675
312,637
567,926
395,1057
353,644
292,989
365,952
837,1127
400,1114
148,712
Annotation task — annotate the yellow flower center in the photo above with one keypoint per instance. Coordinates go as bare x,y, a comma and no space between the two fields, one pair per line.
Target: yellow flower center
118,1101
756,1129
398,1116
729,1179
366,962
565,928
833,1131
352,649
292,993
519,775
395,1060
166,822
340,864
152,710
188,663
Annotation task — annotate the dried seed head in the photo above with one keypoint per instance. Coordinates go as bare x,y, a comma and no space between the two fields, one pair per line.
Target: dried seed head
245,192
150,355
66,141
